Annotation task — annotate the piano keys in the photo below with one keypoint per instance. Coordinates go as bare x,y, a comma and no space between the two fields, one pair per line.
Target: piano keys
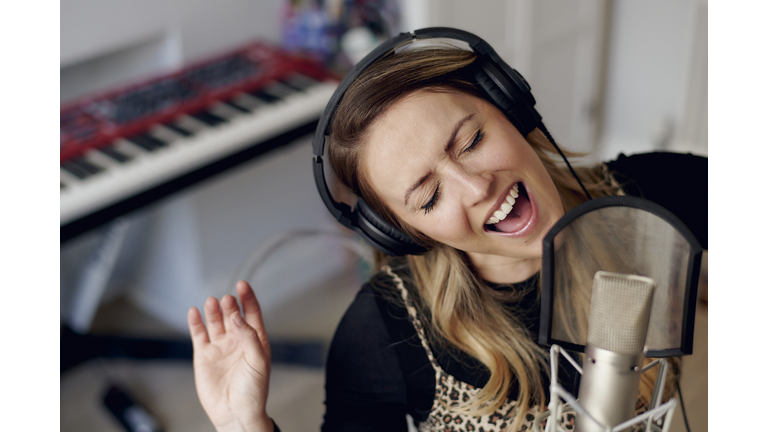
126,149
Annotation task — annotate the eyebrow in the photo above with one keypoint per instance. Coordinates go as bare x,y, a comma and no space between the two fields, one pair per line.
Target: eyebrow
452,140
448,146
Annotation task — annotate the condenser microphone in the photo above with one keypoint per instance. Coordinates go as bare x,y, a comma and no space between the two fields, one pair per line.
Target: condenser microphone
618,323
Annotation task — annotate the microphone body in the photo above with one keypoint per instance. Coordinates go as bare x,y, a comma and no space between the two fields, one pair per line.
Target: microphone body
618,324
609,387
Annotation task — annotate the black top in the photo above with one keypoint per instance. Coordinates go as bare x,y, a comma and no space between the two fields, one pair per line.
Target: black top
377,369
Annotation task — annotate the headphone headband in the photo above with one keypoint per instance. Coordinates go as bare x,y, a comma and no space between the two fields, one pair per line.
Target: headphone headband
499,83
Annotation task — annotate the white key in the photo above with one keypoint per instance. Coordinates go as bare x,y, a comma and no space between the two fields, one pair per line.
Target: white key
301,81
67,179
166,134
279,90
223,111
247,101
129,149
99,159
191,124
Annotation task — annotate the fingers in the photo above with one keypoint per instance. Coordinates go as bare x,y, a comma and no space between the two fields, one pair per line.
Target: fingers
214,319
252,312
251,307
228,307
254,349
218,326
197,328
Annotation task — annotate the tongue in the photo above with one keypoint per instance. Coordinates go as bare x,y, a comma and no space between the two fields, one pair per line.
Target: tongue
518,217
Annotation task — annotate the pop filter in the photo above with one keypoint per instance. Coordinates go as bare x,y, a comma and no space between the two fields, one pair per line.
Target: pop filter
624,235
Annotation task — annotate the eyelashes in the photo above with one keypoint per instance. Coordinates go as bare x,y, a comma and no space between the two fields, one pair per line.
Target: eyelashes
432,201
478,137
436,195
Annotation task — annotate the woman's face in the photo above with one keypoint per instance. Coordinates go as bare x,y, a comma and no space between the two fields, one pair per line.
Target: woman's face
447,164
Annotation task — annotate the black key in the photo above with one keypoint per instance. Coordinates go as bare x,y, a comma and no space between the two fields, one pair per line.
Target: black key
236,106
75,170
208,118
147,142
115,154
299,82
266,97
90,167
178,129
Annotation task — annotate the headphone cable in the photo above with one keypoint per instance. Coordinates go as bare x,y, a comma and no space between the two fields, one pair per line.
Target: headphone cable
552,140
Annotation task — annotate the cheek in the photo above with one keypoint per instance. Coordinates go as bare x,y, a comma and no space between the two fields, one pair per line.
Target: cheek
449,226
503,155
552,201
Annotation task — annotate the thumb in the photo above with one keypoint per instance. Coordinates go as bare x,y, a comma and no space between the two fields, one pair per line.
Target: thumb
249,337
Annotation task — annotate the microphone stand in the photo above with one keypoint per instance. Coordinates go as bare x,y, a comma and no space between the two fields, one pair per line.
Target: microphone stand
561,401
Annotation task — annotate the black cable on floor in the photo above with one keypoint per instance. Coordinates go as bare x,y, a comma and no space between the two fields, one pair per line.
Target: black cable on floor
682,407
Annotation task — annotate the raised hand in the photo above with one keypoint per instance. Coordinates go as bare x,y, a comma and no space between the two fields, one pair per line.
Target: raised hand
232,362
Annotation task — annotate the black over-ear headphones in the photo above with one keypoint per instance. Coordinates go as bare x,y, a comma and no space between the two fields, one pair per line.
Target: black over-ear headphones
494,79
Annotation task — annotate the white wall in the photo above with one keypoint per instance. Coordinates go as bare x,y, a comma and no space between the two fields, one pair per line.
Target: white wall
656,90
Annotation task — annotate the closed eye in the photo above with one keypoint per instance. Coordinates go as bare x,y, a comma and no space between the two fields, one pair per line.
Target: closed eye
478,137
436,195
432,201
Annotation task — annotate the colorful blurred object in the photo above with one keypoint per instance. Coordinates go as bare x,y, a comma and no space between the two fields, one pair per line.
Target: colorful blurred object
338,32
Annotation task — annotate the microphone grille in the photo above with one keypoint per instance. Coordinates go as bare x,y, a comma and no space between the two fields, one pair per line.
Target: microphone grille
619,312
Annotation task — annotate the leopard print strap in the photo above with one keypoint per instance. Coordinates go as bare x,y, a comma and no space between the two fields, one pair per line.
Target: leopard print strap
414,317
451,392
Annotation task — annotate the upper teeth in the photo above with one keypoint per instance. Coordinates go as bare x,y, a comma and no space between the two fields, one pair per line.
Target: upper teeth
505,208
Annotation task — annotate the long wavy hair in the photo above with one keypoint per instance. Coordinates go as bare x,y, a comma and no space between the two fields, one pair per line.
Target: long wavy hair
463,310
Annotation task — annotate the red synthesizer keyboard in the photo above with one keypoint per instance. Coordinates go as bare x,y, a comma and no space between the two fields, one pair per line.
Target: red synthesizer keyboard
127,148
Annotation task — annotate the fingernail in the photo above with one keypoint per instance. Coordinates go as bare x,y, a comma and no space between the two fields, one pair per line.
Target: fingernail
237,319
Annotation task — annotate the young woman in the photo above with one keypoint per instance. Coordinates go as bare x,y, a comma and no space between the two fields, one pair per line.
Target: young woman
446,336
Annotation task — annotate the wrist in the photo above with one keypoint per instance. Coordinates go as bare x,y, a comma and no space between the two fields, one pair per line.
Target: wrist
263,424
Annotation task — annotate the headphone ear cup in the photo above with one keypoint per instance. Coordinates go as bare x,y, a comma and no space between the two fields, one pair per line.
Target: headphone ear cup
509,99
381,232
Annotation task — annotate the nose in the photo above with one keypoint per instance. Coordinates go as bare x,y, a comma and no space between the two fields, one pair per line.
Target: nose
475,187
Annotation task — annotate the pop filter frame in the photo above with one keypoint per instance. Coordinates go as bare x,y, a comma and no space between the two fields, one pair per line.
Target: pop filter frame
691,288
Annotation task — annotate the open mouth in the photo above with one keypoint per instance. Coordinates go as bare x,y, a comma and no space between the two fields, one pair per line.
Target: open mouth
514,214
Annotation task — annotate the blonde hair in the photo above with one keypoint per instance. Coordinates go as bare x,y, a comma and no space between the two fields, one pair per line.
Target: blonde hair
472,316
464,311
